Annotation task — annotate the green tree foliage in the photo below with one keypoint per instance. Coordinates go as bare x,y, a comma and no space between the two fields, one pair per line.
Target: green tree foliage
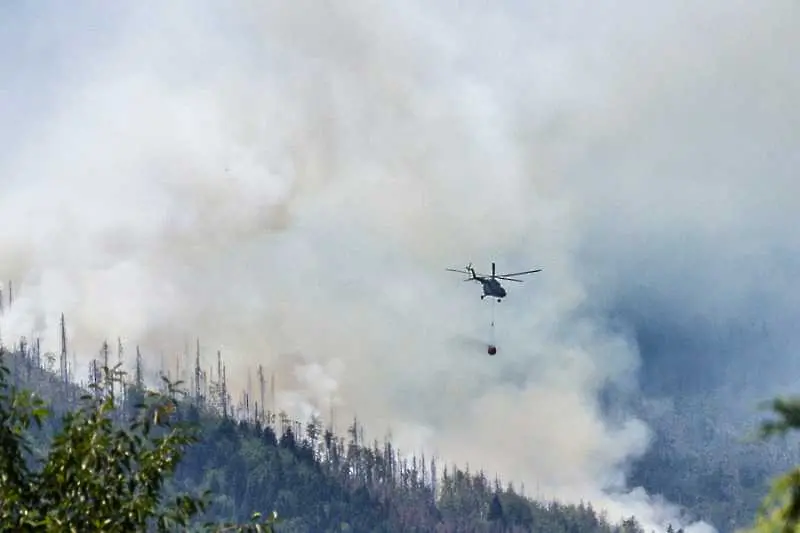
319,482
96,474
780,510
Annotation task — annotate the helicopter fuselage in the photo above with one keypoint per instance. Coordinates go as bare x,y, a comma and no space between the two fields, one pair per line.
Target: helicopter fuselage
491,288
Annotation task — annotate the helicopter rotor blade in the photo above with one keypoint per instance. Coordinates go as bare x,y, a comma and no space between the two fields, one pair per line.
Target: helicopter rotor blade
456,270
520,273
509,279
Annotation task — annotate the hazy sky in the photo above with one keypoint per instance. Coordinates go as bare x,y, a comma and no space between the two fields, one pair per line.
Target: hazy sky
288,181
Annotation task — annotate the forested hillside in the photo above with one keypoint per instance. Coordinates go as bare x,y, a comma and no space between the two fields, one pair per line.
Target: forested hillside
254,459
719,472
318,481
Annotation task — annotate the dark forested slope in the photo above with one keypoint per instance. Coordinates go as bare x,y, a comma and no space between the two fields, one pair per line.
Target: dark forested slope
326,484
319,481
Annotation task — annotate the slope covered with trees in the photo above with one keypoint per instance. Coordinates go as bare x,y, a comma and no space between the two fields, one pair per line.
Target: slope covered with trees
315,480
718,472
251,460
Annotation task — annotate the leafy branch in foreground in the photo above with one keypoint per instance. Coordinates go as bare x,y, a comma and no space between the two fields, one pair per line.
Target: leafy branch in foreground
780,510
98,473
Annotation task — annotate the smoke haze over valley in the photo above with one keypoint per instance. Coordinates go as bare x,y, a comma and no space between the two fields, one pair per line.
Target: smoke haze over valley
288,181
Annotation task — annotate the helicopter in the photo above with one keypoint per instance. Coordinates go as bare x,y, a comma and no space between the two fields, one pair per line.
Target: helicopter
492,287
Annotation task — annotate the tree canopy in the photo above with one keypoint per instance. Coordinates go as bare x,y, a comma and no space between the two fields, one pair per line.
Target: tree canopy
154,461
97,473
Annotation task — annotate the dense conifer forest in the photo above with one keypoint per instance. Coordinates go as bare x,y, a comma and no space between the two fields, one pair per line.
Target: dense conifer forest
251,459
316,480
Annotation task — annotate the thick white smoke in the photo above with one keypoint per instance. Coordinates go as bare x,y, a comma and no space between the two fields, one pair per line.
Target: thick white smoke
293,178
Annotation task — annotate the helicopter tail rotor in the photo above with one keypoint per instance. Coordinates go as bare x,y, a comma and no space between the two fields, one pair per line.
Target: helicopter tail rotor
468,270
471,272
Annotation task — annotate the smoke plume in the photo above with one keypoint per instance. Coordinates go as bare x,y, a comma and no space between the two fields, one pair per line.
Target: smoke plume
289,180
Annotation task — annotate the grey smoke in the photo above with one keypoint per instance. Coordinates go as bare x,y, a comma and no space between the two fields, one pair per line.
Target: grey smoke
293,178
